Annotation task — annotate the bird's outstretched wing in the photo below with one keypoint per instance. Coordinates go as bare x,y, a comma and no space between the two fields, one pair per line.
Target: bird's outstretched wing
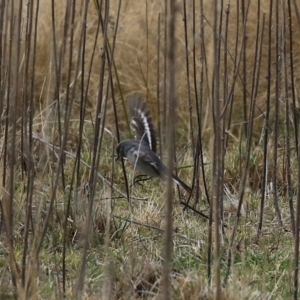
145,156
141,121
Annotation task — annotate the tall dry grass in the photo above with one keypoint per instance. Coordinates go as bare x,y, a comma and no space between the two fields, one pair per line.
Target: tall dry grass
66,71
136,59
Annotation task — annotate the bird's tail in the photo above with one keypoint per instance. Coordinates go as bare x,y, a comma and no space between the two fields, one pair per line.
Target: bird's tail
181,183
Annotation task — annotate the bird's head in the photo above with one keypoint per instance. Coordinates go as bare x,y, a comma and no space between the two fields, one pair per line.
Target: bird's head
121,149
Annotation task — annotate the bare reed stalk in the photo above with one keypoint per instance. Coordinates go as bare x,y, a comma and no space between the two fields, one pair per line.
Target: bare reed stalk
163,111
196,141
276,121
26,135
244,12
217,172
297,240
147,51
292,72
222,125
293,92
199,106
127,195
266,125
9,157
194,57
254,88
158,86
297,140
187,64
168,238
195,144
58,65
228,92
297,146
96,150
108,283
39,236
26,141
76,167
287,148
3,45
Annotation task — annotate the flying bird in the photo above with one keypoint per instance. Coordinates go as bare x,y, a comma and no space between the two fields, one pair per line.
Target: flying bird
141,152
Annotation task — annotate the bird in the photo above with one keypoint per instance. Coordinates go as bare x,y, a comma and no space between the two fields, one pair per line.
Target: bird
141,152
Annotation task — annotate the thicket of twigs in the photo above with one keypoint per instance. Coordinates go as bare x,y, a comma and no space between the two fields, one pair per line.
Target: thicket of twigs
221,80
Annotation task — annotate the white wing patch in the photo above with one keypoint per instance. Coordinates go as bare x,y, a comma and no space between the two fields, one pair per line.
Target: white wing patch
146,125
134,125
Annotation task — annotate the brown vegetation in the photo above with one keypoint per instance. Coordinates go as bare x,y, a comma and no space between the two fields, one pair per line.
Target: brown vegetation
92,228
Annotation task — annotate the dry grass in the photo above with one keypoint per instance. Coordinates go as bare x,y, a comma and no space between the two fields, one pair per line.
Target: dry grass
125,246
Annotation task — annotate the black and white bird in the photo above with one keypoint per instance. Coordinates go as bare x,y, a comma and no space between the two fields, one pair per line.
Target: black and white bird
141,152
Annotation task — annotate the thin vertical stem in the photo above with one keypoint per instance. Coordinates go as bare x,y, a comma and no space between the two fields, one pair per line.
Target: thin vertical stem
168,239
276,121
217,144
266,125
158,88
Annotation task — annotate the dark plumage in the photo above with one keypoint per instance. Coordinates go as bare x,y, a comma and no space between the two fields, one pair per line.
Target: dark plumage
145,160
141,152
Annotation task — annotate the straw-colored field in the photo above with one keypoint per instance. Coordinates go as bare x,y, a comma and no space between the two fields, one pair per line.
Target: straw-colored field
123,256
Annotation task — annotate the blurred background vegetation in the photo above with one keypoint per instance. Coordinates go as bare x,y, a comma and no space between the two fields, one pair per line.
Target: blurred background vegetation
69,225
